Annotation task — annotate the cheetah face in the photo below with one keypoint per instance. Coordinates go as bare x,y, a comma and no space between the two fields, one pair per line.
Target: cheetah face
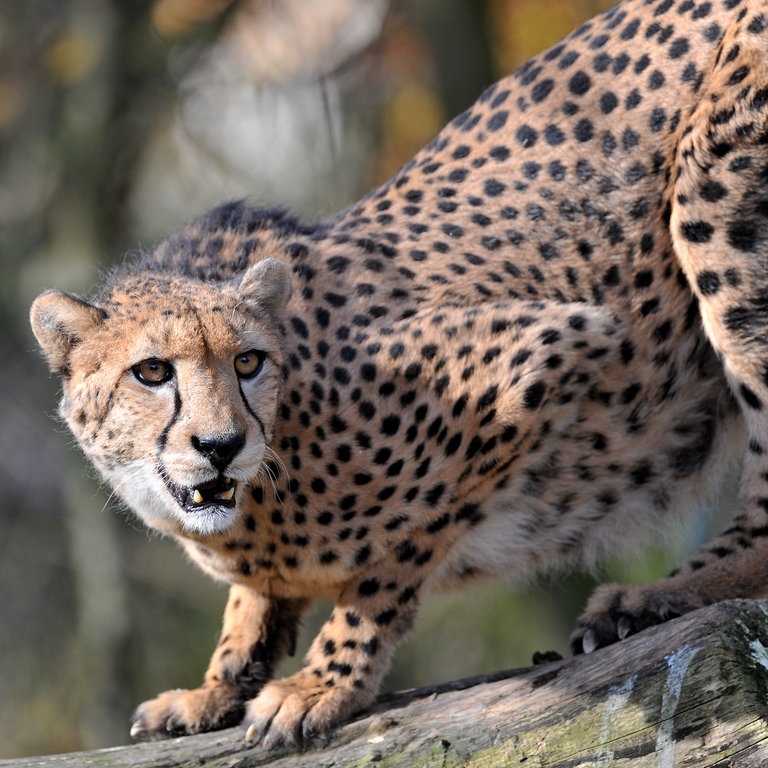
171,387
216,409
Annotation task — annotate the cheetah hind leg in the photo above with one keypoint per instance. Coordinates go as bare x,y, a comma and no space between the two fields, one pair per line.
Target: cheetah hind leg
257,632
720,230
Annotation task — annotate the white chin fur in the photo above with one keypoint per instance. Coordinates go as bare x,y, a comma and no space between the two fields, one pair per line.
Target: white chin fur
208,521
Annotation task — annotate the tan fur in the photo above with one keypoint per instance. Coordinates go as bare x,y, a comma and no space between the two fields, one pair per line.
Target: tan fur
543,340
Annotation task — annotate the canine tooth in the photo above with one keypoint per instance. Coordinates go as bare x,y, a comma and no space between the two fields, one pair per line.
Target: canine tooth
226,495
197,497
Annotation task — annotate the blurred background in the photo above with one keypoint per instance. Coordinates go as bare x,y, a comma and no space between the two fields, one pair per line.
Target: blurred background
119,120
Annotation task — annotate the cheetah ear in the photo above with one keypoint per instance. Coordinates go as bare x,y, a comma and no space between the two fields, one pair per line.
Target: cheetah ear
267,285
60,321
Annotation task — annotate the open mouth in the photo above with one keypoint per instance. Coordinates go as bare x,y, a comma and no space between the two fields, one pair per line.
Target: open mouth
219,492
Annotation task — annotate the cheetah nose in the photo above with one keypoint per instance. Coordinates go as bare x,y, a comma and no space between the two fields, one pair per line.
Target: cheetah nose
219,450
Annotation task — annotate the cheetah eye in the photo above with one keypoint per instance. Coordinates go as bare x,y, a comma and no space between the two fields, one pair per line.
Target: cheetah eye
153,371
248,364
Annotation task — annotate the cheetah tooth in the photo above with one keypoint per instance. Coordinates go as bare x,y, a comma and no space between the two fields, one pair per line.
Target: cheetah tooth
197,497
226,495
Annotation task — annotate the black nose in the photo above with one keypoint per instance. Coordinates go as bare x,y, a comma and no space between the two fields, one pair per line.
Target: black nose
219,450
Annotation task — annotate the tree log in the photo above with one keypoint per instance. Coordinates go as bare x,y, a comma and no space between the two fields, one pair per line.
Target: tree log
692,692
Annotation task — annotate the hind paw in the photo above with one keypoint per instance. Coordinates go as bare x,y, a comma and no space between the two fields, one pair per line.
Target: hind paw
615,612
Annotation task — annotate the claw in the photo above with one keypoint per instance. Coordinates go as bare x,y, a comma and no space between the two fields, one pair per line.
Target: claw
252,734
138,729
589,641
624,627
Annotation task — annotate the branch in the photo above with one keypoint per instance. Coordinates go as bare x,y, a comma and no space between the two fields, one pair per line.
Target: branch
693,691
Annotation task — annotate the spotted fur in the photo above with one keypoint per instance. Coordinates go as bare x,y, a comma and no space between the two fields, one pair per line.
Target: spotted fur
541,341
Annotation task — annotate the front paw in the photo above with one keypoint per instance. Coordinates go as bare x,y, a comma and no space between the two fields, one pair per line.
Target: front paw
182,712
615,612
288,711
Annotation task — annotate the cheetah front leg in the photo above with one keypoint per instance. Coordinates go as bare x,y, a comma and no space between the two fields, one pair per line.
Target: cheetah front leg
347,660
257,632
720,229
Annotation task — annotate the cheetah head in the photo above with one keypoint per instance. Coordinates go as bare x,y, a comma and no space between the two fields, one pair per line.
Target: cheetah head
171,386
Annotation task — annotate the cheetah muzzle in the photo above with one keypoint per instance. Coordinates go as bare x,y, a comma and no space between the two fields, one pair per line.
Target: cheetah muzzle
538,344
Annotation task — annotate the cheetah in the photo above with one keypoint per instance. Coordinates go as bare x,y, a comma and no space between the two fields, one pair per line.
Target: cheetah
543,340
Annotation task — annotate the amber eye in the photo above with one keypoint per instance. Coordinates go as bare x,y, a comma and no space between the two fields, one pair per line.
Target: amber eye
153,371
248,364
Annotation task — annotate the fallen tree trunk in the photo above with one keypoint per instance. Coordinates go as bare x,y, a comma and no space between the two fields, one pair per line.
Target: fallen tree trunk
691,692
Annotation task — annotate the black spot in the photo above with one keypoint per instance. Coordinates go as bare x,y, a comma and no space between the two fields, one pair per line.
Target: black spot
649,307
542,89
641,473
627,351
385,617
318,485
608,102
708,282
423,557
553,135
526,136
584,130
366,589
363,554
633,99
629,139
712,191
580,83
568,59
534,394
612,276
439,523
721,149
488,398
352,619
657,119
646,243
497,120
743,235
678,48
722,116
644,278
493,187
758,24
390,425
697,231
750,398
335,299
453,444
759,100
548,251
713,33
531,170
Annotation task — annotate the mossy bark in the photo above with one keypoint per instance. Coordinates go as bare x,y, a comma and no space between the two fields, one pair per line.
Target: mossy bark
691,692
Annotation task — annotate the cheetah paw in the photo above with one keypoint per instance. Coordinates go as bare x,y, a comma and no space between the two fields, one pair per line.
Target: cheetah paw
616,612
288,712
182,712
